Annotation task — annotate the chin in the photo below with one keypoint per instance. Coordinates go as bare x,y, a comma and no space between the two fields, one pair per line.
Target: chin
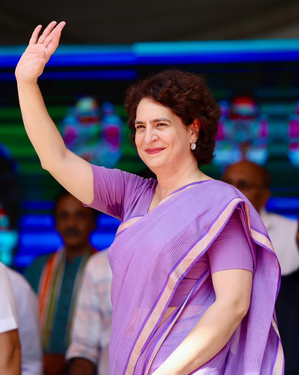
155,167
74,244
154,163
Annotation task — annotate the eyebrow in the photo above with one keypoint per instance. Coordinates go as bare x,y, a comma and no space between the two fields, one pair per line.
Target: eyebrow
155,120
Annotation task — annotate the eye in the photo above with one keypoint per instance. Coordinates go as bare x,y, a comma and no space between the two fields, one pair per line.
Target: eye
139,126
62,216
161,124
244,185
80,215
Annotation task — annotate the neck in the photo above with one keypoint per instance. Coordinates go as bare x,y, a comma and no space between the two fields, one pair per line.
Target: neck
172,181
74,251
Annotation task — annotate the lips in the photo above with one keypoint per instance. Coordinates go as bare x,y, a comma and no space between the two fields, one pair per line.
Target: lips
71,232
151,151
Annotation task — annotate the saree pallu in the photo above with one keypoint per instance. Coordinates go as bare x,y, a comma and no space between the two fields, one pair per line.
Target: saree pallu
152,254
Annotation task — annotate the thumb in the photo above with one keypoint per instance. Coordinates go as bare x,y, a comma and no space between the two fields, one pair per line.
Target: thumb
42,55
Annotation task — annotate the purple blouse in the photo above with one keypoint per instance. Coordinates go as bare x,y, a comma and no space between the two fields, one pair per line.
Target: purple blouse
125,195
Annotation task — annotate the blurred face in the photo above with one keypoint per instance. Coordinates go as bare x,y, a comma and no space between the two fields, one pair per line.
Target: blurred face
248,179
74,222
162,140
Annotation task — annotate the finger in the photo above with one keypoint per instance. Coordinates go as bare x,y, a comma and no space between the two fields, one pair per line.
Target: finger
47,32
54,42
55,32
35,34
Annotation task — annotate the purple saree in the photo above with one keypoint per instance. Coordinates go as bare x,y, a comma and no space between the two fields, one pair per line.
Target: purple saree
150,256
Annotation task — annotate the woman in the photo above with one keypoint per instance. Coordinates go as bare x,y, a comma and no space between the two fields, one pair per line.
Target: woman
195,275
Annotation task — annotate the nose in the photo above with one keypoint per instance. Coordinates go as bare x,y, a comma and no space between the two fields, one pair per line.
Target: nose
150,135
71,221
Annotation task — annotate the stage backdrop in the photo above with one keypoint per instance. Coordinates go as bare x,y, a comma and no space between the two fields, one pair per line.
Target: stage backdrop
255,82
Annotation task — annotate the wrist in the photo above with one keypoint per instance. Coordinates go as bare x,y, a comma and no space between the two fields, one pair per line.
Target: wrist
26,83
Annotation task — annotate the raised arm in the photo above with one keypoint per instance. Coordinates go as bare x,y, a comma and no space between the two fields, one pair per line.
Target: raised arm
74,173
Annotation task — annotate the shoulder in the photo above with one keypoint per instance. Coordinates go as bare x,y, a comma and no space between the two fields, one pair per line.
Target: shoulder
219,185
33,272
17,279
21,288
4,277
8,306
219,190
118,176
276,219
39,262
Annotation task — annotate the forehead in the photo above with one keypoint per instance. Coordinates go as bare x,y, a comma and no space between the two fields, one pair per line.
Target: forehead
69,203
245,172
150,109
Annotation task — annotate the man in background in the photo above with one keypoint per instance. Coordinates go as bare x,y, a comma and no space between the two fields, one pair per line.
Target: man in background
91,331
10,348
254,182
56,277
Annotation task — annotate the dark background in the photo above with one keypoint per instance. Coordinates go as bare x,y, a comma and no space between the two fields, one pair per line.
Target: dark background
118,21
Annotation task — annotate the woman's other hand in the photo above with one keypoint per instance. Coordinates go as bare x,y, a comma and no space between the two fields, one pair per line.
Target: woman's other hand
38,52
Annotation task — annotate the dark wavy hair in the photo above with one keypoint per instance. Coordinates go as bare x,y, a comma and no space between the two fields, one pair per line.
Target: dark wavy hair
188,96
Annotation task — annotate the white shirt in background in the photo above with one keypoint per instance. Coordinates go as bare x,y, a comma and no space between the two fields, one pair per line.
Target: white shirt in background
27,307
93,315
282,232
8,306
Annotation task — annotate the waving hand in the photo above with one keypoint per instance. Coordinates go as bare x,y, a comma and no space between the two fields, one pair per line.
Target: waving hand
38,52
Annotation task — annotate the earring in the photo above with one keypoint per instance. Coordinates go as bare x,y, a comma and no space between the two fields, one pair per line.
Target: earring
193,145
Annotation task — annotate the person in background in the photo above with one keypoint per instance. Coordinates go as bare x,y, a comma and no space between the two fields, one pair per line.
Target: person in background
254,182
10,348
287,307
27,307
91,330
56,278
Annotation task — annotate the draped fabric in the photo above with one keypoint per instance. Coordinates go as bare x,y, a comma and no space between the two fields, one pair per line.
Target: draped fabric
151,255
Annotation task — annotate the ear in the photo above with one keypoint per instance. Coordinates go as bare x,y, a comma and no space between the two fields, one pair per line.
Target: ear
195,128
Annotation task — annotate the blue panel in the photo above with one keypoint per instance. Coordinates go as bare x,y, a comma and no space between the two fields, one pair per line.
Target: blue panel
285,204
102,240
22,261
38,205
218,58
219,47
40,240
163,53
92,75
106,221
111,75
37,221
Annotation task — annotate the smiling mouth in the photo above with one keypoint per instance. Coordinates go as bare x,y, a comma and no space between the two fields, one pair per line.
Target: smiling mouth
153,150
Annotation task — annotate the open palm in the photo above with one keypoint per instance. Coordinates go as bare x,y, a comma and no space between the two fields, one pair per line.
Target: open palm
38,52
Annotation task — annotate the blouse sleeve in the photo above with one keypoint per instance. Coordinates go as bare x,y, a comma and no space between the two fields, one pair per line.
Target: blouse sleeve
232,249
112,190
